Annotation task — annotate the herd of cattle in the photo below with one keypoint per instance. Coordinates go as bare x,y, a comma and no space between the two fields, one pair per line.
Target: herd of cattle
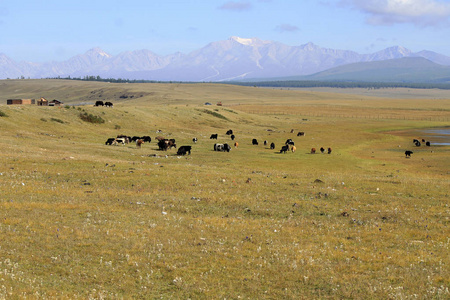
417,143
167,144
100,103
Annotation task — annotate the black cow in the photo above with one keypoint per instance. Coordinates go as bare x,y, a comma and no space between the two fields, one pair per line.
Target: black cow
108,104
289,142
232,137
213,136
194,140
166,144
272,146
284,149
110,141
408,153
184,149
301,133
415,141
229,132
428,144
417,144
99,103
322,149
135,138
329,150
254,142
265,143
146,139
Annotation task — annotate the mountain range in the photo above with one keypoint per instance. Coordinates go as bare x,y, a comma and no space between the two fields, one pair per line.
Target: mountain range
232,59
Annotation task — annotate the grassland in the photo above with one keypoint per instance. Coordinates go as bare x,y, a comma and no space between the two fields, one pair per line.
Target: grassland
80,219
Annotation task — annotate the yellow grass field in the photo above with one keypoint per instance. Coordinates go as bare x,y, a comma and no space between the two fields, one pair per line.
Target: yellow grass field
83,220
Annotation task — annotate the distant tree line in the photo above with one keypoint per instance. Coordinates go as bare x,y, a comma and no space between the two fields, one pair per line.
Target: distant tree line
284,83
112,80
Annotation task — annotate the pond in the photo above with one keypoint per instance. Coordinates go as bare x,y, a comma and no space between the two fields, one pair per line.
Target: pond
436,136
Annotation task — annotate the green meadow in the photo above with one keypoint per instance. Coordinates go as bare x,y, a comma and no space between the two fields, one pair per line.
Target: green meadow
83,220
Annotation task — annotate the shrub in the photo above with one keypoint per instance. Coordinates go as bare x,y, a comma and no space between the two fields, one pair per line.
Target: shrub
43,119
117,127
2,114
91,118
56,120
215,114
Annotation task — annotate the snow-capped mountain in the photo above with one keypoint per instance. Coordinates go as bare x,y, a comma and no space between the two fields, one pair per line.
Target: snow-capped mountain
231,59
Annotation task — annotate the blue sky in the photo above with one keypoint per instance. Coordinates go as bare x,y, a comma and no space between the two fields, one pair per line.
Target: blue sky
55,30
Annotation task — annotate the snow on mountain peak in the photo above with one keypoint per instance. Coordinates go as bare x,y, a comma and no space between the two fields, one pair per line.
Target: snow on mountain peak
99,52
242,41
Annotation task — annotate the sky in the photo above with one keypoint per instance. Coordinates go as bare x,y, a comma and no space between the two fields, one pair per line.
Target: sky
55,30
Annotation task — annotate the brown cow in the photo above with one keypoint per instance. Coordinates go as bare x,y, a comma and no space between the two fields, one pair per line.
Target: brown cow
329,150
313,150
236,145
139,142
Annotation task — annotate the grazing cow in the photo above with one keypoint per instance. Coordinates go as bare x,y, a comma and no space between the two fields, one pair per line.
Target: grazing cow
284,149
329,150
265,143
194,140
229,132
417,144
163,145
108,104
415,141
126,138
110,141
99,103
171,143
184,149
289,142
254,142
146,139
222,147
213,136
313,150
272,146
120,141
236,144
166,144
301,133
423,140
408,153
428,144
232,137
135,138
293,149
139,142
322,149
159,138
292,130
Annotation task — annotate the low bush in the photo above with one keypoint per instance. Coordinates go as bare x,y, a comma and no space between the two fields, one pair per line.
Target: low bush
91,118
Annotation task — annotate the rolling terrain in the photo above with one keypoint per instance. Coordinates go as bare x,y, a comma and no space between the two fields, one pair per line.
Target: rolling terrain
80,219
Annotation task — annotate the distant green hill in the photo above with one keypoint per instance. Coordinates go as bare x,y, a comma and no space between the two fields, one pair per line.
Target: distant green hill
408,69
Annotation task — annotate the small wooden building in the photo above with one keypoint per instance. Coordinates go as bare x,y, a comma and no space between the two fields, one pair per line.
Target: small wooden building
42,102
55,102
20,101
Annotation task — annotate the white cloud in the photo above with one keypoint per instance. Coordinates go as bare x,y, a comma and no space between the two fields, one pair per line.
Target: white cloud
388,12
